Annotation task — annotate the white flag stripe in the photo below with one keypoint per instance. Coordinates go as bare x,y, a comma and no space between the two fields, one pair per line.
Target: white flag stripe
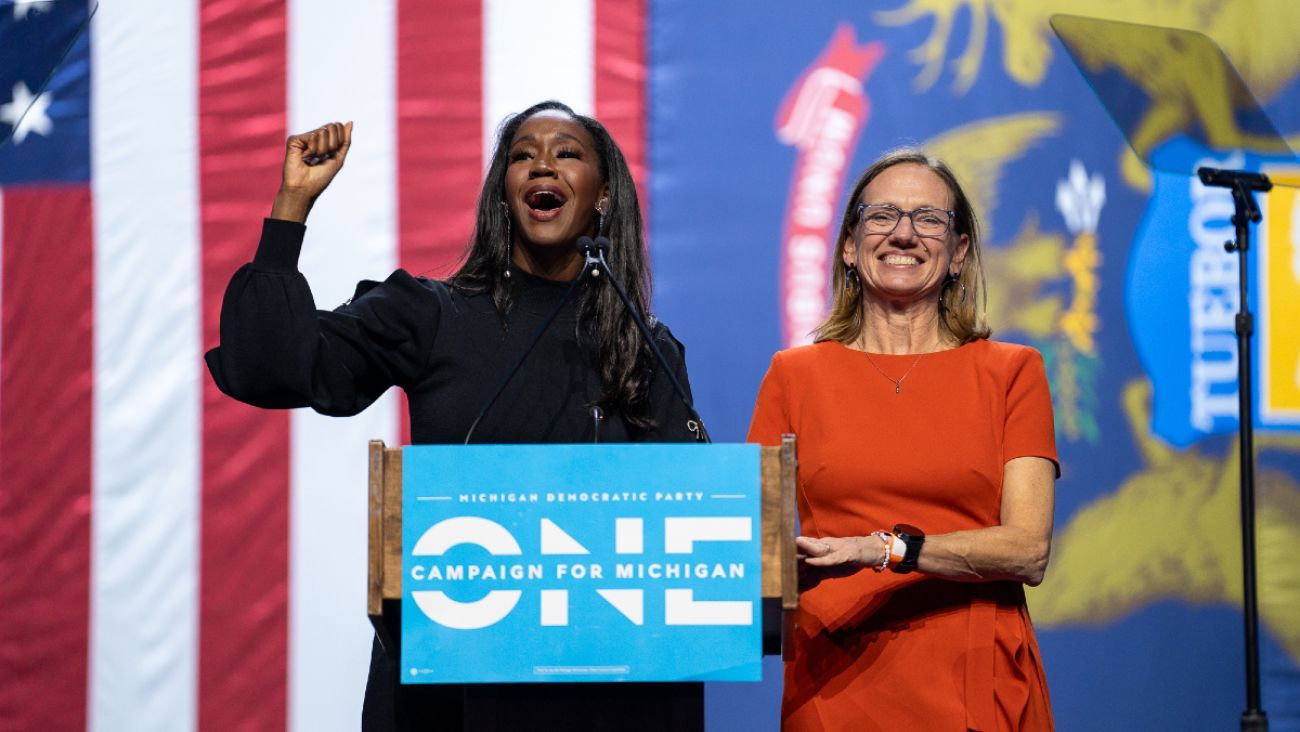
143,634
352,234
534,51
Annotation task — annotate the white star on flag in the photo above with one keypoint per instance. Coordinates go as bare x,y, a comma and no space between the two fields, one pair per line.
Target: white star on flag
36,120
22,6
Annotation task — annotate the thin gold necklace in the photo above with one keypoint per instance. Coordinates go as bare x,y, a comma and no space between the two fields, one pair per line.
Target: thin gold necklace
898,383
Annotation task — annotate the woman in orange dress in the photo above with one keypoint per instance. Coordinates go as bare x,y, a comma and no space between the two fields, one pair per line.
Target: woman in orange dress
927,454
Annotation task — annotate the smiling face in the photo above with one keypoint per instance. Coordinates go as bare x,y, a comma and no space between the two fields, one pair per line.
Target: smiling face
553,184
903,266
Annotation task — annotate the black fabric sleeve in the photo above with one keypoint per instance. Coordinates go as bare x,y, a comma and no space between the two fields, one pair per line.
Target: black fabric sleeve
278,351
666,408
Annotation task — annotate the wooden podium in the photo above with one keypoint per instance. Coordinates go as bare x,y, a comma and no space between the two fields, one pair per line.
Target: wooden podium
779,579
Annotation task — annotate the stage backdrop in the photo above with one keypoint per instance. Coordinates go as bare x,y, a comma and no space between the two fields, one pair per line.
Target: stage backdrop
172,560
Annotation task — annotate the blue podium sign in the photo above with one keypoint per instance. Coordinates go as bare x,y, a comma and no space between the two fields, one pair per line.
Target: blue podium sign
533,563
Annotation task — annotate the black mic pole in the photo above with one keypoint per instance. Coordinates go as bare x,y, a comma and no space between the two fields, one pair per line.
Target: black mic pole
594,250
1246,212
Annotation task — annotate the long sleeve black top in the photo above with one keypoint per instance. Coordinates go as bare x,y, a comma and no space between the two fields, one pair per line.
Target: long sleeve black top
446,348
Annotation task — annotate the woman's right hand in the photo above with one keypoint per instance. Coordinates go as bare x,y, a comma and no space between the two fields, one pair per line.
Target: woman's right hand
833,551
311,160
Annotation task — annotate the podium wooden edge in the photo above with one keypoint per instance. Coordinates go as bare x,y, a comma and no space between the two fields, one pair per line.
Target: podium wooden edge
779,581
385,535
375,530
778,523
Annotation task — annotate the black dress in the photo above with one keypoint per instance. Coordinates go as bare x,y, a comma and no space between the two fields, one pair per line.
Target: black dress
448,350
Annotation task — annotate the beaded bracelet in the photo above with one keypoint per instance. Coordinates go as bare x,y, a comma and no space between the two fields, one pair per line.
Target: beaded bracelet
888,540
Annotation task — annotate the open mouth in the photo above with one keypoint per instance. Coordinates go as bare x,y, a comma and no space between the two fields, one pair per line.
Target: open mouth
544,203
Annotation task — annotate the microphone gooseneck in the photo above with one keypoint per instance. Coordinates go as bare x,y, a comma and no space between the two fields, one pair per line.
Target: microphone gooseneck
594,250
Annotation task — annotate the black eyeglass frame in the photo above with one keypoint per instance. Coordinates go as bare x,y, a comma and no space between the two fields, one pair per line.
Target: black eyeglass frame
861,222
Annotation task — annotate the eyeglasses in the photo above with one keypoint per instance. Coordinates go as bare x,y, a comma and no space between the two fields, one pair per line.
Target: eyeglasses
882,218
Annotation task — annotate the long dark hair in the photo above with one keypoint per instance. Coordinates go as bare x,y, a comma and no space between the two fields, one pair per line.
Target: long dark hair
624,362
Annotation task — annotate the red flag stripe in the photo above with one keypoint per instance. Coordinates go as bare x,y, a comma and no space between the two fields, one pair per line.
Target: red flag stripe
45,455
439,135
243,607
439,130
620,79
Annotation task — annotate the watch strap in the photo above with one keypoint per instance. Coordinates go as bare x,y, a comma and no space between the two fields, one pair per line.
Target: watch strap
913,539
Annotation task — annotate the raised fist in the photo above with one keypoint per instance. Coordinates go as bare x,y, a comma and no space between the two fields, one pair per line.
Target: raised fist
311,160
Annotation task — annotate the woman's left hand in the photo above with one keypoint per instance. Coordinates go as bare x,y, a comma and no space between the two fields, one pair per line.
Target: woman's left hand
831,551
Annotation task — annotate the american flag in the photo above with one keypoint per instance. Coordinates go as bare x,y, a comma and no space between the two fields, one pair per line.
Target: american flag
171,559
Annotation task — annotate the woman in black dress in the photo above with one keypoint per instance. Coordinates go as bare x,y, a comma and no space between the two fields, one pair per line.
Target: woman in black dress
555,176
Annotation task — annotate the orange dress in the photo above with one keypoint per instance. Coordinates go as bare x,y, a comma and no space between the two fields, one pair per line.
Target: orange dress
885,651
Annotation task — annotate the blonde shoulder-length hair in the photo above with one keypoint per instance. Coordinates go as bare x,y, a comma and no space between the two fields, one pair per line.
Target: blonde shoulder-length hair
961,300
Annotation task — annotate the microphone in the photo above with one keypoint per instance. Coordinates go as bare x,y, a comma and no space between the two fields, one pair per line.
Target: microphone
1234,178
594,250
1241,183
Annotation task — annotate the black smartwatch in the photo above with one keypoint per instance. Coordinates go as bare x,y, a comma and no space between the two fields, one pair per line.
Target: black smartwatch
913,538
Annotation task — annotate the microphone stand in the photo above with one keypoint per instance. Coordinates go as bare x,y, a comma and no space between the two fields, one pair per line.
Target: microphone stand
1246,212
594,251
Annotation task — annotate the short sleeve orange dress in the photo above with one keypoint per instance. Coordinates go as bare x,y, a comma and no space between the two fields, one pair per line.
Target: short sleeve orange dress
886,651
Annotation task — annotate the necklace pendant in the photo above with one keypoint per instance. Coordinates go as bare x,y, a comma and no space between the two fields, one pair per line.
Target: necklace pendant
898,383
